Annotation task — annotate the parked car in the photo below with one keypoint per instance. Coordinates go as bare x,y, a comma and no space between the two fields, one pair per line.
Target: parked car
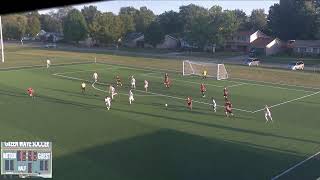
50,45
296,65
252,62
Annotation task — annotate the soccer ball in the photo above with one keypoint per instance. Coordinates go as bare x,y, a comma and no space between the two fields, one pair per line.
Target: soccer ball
166,105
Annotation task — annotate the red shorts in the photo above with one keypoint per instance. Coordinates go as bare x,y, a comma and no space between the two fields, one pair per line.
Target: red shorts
189,104
228,110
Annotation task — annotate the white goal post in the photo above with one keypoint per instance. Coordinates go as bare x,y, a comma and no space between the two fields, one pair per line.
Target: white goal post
196,68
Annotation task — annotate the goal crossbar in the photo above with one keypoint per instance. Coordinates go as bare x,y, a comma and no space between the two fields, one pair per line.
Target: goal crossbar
197,68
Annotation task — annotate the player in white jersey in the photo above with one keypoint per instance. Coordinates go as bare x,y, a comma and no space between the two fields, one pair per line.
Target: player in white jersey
214,105
267,113
112,91
95,77
107,100
48,63
83,87
131,96
146,85
133,82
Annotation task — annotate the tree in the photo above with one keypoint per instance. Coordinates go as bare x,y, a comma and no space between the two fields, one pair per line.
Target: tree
154,34
189,13
294,20
14,26
243,19
50,24
170,22
127,22
128,16
89,13
258,20
221,25
61,13
33,26
131,11
143,19
107,28
74,26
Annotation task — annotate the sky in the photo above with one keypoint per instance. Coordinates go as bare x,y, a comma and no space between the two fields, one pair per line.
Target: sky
160,6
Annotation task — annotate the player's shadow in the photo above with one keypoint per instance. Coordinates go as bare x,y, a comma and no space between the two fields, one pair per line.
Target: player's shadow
172,155
247,131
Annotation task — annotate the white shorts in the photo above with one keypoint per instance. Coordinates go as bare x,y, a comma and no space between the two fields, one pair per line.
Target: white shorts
267,114
131,98
108,104
145,86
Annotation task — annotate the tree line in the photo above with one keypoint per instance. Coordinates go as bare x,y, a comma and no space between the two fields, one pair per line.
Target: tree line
198,25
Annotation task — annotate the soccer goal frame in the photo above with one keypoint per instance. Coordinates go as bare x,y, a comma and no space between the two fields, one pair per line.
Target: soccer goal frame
214,70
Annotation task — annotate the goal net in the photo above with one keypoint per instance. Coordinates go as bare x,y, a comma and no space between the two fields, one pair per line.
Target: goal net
197,68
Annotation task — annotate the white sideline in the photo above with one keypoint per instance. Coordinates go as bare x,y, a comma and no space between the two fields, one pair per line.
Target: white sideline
283,84
263,85
181,80
157,94
20,68
288,101
293,167
118,92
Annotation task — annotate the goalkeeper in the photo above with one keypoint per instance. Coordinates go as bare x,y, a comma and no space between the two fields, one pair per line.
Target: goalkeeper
204,74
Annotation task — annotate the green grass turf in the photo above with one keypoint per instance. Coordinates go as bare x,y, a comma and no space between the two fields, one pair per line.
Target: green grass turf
147,141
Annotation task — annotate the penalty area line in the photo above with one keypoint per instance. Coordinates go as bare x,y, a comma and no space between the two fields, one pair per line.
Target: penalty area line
295,166
156,94
302,97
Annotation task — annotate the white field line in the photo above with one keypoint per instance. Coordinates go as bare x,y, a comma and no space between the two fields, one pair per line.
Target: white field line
94,87
242,83
20,68
283,84
295,166
272,86
174,97
255,82
157,94
288,101
189,82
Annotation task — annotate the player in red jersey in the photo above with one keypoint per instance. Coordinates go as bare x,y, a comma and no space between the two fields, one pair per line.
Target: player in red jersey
225,93
228,108
167,81
30,92
189,102
203,89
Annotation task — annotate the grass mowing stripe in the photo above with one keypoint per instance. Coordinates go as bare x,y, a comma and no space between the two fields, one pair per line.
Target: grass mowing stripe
94,87
158,94
295,166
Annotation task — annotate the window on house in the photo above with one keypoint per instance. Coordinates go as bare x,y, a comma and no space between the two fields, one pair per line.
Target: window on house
309,50
315,50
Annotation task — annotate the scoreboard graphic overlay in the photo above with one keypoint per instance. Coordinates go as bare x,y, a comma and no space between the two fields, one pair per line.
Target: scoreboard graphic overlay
26,159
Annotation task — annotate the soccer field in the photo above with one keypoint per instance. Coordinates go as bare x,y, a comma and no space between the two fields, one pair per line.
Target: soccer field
146,140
